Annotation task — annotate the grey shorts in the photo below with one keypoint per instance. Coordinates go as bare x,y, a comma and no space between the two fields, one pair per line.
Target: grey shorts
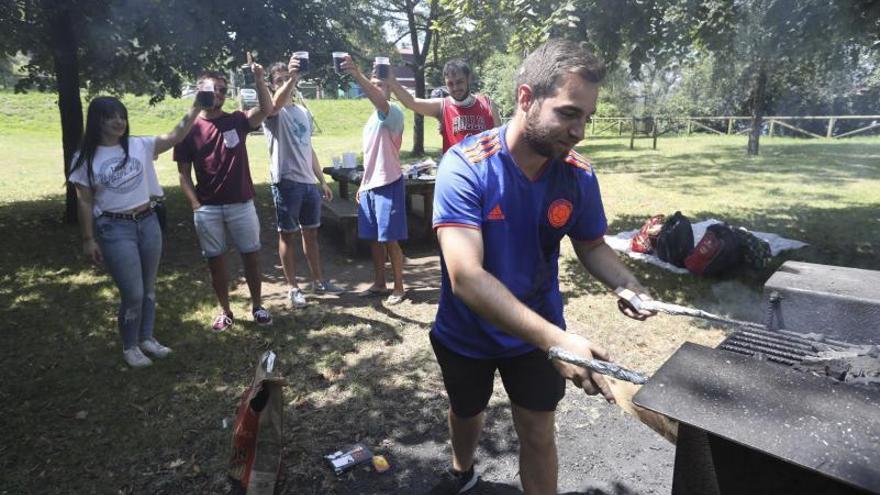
237,221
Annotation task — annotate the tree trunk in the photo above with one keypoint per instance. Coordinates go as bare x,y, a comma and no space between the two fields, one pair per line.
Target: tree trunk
757,110
64,43
420,54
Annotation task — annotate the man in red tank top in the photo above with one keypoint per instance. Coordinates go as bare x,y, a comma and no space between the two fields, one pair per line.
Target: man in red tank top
461,114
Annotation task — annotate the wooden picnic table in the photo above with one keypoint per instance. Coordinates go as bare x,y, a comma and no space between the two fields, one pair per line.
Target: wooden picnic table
344,207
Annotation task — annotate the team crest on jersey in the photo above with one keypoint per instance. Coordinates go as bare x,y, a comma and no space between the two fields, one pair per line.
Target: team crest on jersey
559,212
485,147
577,160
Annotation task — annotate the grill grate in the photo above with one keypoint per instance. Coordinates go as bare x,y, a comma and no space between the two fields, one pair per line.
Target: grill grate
780,346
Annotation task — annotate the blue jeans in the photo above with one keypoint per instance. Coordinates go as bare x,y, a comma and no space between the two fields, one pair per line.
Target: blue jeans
131,252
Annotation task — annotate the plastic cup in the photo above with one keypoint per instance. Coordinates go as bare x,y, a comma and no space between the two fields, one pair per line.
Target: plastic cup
383,67
338,58
303,58
205,95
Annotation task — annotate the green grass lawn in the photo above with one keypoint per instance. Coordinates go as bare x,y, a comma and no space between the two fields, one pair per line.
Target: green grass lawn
76,420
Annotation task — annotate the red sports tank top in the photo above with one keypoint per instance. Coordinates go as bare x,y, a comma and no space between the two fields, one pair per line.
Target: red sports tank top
460,122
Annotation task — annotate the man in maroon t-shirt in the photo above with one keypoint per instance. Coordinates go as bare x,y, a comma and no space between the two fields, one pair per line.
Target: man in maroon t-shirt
461,113
222,198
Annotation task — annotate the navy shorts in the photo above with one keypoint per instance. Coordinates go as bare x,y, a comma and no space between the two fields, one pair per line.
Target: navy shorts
297,206
382,213
530,380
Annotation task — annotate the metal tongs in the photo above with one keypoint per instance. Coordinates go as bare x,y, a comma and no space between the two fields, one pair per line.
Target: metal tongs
635,302
629,299
598,366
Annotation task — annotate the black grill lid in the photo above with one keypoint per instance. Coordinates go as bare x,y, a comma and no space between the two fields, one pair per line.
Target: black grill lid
828,427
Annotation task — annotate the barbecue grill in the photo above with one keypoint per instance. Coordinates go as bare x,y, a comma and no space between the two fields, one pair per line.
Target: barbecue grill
755,417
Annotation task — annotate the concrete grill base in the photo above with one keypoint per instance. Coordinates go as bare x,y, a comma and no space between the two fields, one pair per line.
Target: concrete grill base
841,303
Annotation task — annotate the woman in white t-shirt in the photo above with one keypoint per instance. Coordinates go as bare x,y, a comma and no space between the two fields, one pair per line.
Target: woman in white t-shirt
114,178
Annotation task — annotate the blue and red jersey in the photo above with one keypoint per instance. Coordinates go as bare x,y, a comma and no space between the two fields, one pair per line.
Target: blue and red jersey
522,222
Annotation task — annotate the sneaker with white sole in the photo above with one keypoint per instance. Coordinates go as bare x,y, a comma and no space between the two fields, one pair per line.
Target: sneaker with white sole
135,358
154,348
223,321
297,298
453,483
261,316
325,287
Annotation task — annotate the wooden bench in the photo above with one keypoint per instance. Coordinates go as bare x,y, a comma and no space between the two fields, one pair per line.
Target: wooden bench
344,212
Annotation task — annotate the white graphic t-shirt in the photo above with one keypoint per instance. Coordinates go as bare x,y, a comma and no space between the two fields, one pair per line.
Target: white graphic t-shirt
118,186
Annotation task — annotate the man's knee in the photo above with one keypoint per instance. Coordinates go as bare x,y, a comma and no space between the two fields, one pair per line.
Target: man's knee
535,429
251,259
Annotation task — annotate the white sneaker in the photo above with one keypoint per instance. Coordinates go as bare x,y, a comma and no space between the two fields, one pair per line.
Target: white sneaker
154,348
135,358
297,298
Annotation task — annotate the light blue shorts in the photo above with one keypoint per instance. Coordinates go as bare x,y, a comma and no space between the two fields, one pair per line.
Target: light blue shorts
237,220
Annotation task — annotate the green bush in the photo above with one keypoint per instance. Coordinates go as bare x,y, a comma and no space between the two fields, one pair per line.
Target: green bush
497,76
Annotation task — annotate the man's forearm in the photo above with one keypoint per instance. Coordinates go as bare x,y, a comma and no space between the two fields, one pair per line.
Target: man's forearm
373,93
282,96
603,263
401,93
189,190
316,168
264,99
488,297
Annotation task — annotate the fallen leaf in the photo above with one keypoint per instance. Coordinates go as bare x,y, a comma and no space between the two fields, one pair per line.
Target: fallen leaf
176,464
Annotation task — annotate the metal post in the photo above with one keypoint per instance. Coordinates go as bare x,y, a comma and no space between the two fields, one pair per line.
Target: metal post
772,128
729,126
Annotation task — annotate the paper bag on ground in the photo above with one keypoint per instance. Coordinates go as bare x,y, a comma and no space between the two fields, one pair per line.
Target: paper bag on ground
257,435
623,393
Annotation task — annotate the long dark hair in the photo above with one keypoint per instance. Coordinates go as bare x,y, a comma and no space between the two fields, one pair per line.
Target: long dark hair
102,107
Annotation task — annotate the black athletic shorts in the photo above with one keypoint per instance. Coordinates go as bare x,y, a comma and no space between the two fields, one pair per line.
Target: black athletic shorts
530,380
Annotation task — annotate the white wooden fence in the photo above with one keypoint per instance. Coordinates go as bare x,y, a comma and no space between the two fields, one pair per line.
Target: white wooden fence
728,125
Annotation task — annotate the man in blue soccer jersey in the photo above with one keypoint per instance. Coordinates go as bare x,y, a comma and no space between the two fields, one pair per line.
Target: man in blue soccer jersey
503,202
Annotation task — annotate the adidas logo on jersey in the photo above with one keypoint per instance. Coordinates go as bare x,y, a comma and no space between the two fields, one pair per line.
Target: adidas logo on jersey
496,213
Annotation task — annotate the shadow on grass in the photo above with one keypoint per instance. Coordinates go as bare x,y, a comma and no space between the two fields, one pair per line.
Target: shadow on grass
80,421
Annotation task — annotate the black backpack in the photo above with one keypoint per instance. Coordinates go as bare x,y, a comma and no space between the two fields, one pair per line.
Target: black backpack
718,252
676,240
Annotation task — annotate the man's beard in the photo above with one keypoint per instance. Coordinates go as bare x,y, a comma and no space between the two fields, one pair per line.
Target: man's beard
467,94
540,140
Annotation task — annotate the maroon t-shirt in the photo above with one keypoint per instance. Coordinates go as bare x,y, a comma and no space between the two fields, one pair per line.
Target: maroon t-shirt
217,151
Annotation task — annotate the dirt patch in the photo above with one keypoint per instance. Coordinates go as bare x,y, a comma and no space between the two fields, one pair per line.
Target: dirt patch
387,392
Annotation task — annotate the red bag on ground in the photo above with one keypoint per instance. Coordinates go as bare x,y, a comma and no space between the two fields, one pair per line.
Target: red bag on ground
646,239
257,436
717,252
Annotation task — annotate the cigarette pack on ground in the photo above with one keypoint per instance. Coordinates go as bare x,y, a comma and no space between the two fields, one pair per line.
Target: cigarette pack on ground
257,435
349,457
